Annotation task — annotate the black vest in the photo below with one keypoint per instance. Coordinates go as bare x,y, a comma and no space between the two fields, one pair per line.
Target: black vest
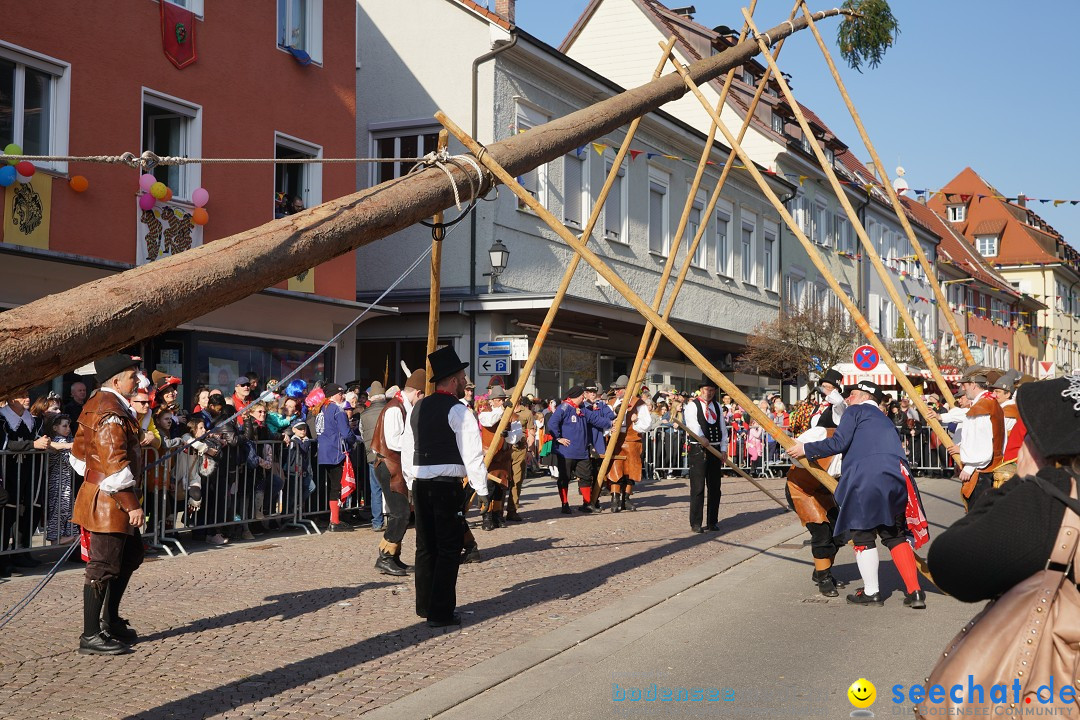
712,431
434,443
825,417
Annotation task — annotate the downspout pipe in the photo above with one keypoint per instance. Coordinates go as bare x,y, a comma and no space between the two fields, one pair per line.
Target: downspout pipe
475,123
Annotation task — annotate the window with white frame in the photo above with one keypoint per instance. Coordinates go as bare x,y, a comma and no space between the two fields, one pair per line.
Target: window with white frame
575,188
778,123
987,245
659,209
800,211
195,6
615,207
822,297
299,26
770,255
34,104
746,249
536,180
844,233
693,226
873,313
820,228
173,127
888,319
834,299
830,156
723,246
956,213
796,291
297,185
403,142
748,78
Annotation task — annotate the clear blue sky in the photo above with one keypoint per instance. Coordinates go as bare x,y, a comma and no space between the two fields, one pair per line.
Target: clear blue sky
985,83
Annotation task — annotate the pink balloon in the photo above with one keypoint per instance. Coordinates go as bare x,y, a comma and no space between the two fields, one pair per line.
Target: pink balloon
145,181
200,197
147,201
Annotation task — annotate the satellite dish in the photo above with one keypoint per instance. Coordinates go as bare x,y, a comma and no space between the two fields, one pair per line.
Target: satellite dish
900,171
900,185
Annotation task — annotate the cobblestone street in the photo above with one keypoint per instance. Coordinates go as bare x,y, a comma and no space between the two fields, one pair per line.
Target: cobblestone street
296,626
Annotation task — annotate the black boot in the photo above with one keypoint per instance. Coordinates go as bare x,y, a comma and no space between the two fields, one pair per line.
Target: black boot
488,521
626,504
565,508
825,582
616,502
111,622
386,565
400,564
496,519
94,641
471,554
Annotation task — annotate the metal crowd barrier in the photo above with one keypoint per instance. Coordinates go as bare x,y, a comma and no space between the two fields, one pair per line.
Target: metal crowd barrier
666,447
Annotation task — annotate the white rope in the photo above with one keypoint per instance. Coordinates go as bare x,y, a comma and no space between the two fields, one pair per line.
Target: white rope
149,160
441,159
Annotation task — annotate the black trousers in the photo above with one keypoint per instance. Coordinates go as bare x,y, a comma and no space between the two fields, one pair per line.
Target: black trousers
440,537
706,473
580,470
395,507
113,555
331,482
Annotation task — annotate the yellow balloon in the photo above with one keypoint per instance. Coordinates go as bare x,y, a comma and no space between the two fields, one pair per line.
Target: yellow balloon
862,693
159,190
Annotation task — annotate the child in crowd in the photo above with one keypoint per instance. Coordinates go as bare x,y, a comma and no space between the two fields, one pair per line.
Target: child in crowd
196,467
298,459
59,527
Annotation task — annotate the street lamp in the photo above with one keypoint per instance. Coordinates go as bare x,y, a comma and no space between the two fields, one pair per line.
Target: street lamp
499,256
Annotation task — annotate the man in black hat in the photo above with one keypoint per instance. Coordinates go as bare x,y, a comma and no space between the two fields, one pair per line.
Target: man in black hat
441,445
705,419
982,441
874,491
106,453
832,406
598,438
569,427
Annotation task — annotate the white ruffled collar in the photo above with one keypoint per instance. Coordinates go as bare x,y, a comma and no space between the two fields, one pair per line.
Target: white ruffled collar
13,420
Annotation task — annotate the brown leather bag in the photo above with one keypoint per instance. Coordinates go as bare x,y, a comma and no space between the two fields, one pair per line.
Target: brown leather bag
1030,634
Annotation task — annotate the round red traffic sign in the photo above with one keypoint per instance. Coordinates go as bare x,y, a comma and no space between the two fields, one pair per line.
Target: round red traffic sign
866,358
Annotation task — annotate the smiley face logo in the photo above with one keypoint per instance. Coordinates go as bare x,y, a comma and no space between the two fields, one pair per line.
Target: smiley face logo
862,693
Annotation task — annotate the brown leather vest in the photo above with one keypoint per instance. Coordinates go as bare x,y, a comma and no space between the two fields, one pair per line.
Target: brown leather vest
987,405
106,446
386,456
501,462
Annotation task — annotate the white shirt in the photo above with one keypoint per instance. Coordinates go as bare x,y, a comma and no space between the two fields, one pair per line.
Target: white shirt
838,406
393,425
692,420
466,431
956,415
977,442
491,418
642,424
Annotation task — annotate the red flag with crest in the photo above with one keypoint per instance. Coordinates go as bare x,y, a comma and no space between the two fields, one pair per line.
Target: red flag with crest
177,34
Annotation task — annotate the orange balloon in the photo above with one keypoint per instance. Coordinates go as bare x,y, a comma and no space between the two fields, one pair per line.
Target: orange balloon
199,216
168,195
79,183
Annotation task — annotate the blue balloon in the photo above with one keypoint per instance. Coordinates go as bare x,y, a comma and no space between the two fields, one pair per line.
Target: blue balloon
7,175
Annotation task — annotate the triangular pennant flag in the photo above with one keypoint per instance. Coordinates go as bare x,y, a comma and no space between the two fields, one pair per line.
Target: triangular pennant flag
1058,202
673,157
965,198
579,151
599,148
634,154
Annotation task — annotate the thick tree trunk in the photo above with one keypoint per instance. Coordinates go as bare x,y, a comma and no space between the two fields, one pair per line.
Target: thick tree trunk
51,336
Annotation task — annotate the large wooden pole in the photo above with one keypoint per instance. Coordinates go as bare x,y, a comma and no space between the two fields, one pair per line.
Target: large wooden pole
692,353
437,235
853,218
564,285
819,263
928,268
711,206
45,338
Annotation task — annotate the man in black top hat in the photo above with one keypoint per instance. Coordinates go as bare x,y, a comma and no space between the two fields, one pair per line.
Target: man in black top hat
441,445
832,405
705,420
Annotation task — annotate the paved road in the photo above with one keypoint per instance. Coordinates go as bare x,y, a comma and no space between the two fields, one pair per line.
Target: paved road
297,626
758,633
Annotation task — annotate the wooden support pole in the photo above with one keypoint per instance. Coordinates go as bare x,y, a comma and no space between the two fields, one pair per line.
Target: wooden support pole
711,205
640,368
931,276
819,263
437,235
738,470
571,268
853,218
692,353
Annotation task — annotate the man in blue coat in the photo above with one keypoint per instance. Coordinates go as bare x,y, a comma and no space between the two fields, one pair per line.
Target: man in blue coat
569,428
872,492
335,437
598,437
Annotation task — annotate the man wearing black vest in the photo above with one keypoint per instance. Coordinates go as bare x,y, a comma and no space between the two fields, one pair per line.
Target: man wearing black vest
440,446
705,420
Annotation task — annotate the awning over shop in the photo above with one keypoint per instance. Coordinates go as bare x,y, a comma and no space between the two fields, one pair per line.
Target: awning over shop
883,376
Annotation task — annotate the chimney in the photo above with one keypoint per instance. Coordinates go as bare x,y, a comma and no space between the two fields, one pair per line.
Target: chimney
686,12
1021,200
505,9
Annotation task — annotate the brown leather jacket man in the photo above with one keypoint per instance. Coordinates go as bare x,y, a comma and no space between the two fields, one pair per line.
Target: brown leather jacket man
106,453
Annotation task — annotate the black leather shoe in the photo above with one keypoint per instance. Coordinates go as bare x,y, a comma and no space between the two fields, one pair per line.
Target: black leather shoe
825,583
487,523
626,504
386,565
696,529
121,630
337,527
454,619
566,508
407,568
861,598
101,644
586,508
915,600
471,554
714,527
